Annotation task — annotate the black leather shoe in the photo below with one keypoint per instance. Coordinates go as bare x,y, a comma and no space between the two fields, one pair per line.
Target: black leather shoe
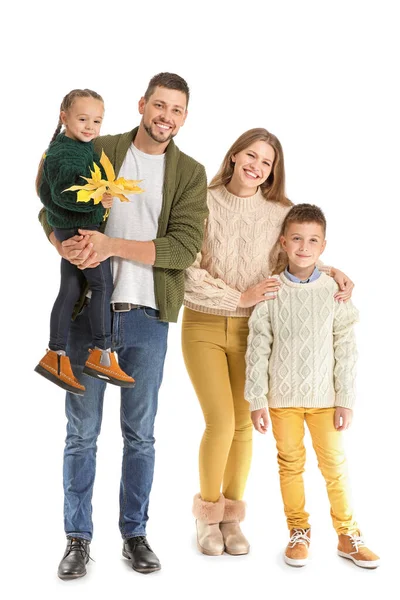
75,558
142,557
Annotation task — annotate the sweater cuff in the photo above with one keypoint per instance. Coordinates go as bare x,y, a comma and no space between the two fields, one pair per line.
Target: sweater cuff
345,400
258,403
325,269
231,300
163,253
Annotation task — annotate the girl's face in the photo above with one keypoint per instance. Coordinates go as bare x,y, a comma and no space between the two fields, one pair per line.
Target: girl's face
83,119
253,166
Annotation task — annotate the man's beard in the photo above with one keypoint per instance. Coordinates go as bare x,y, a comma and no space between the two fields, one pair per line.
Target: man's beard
160,140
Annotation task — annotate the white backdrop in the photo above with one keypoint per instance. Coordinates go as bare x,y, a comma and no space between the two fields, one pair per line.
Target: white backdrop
323,77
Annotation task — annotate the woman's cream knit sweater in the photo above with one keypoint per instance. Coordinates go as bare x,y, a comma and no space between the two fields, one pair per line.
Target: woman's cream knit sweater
239,236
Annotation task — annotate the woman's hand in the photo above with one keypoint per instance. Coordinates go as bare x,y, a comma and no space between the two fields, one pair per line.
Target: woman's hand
345,284
265,290
107,200
260,419
343,418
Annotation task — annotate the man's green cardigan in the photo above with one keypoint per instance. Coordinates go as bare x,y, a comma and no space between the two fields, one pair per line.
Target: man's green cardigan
181,222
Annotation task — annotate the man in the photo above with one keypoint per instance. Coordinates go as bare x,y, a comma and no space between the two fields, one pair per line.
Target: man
150,240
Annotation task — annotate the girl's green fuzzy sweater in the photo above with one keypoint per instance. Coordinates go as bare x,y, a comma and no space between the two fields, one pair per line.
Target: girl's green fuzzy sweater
66,161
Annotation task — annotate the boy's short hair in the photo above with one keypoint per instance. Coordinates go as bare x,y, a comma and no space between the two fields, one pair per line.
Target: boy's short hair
171,81
304,213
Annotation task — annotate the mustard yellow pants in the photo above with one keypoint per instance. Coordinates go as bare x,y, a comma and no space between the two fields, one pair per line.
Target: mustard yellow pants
214,350
288,429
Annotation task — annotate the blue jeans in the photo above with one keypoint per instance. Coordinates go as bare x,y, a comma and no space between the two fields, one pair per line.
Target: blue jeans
140,339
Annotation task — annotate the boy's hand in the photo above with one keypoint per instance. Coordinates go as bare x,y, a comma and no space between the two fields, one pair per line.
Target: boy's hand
343,418
345,284
107,200
260,419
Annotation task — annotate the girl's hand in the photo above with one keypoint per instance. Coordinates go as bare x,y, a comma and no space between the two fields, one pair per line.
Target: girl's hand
345,284
265,290
343,418
260,419
107,200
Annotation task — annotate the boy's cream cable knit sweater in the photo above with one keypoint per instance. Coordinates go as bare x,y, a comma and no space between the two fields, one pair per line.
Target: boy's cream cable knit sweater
240,234
301,348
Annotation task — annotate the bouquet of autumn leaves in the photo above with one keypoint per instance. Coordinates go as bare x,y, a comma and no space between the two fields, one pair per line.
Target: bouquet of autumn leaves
96,186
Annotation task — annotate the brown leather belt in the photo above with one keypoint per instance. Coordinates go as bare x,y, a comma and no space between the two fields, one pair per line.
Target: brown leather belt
124,306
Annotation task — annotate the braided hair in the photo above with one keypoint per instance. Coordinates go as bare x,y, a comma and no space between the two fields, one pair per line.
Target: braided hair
66,104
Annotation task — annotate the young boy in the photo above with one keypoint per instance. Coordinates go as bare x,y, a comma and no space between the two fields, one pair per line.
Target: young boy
301,360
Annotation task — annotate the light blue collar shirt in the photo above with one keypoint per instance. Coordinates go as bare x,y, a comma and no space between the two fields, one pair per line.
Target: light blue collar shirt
314,275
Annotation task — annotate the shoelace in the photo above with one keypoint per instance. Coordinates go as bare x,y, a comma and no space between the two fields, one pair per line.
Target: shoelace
299,537
141,539
356,540
78,544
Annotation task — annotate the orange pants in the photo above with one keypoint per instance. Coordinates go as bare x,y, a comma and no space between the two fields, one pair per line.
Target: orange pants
288,429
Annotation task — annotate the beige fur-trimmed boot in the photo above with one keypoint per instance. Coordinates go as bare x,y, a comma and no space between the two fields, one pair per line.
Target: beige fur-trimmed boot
234,540
208,517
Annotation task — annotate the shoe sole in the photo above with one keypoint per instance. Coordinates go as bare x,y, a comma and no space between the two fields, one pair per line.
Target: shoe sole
108,378
233,553
65,386
67,577
144,571
293,562
365,564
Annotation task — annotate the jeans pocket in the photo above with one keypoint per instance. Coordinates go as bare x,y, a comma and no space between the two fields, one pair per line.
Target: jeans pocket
151,313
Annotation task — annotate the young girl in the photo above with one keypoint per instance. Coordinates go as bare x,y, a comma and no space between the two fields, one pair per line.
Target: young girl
70,157
247,204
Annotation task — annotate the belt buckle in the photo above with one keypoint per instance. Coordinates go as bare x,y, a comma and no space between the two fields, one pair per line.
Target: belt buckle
117,306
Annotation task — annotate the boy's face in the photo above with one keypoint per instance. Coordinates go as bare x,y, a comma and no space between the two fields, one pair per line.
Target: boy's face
304,243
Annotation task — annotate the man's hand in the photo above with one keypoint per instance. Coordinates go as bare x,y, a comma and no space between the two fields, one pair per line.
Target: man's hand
345,285
343,418
76,249
101,248
260,419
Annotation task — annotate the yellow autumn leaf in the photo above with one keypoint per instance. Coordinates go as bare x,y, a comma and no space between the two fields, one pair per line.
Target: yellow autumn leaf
96,186
96,174
83,196
107,166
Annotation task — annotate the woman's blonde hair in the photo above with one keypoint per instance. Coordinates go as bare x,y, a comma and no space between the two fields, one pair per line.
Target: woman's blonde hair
273,187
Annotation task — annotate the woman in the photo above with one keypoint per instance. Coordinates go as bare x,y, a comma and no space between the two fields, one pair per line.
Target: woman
247,205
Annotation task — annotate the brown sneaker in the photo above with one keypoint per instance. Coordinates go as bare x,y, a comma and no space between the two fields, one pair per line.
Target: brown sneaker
296,553
352,546
102,364
57,369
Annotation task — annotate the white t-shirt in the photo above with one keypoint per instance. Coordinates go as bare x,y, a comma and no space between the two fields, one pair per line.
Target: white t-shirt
137,220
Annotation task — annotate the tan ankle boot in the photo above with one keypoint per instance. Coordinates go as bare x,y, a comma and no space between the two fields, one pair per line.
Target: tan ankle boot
296,553
208,517
234,540
57,369
352,546
102,364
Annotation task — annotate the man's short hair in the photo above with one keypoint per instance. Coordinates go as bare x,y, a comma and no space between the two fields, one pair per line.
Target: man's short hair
304,213
171,81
